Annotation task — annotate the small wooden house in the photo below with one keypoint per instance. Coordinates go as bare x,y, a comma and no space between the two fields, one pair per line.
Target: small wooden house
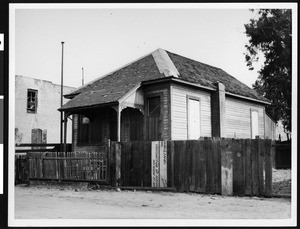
164,96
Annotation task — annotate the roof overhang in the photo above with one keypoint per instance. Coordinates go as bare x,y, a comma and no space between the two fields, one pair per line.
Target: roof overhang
172,79
247,98
176,80
78,109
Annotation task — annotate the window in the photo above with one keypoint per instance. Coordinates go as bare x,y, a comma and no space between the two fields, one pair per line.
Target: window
254,123
154,107
154,120
83,136
31,101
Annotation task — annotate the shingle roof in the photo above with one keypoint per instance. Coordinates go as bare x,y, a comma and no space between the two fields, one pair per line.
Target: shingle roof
205,75
114,86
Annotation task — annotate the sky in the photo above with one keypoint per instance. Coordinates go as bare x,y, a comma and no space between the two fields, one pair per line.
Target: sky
102,40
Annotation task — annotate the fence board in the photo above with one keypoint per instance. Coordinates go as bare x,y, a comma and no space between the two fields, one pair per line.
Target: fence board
261,167
238,167
248,167
147,164
255,178
202,167
187,166
216,159
269,147
207,147
170,159
226,166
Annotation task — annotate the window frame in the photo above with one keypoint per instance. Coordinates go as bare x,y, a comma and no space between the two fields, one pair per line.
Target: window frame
251,122
35,102
148,96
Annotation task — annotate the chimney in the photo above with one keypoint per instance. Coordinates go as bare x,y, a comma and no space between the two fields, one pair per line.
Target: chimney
218,110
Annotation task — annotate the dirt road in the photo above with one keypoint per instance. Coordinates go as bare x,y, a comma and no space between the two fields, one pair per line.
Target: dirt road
45,203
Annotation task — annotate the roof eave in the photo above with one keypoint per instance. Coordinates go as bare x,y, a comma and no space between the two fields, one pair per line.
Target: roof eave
173,79
247,98
72,109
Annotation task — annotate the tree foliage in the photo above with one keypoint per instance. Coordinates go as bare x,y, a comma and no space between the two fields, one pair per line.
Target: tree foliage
271,35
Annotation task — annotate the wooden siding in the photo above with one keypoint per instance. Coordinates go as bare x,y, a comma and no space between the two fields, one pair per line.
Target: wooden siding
179,111
238,118
270,128
163,91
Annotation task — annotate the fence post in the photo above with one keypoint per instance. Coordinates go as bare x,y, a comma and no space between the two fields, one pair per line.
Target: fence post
270,148
115,163
118,163
226,167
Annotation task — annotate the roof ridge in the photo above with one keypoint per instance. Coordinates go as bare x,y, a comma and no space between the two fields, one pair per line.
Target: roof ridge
115,70
164,63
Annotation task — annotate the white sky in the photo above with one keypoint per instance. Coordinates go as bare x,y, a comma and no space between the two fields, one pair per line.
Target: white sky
101,40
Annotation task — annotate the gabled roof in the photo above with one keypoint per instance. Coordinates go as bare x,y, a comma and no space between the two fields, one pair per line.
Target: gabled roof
156,65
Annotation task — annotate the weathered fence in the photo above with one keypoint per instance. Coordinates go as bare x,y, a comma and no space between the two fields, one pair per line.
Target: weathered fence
71,166
21,168
214,165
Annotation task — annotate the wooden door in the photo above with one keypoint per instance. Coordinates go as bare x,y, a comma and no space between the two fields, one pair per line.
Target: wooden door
193,119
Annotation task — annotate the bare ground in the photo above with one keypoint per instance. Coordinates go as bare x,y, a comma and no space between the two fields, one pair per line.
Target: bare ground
55,203
281,184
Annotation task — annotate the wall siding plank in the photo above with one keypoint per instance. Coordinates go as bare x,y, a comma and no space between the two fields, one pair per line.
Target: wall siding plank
179,112
238,118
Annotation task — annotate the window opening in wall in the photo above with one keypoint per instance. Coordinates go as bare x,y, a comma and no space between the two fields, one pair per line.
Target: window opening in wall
254,124
83,123
31,101
154,122
154,107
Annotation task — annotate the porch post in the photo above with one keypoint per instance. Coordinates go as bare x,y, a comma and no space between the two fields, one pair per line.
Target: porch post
65,131
119,122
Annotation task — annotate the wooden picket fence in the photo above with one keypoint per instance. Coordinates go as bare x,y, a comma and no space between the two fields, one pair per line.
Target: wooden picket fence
68,166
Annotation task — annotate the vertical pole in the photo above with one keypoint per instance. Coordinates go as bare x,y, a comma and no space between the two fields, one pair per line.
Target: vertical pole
65,131
64,172
82,77
119,123
61,94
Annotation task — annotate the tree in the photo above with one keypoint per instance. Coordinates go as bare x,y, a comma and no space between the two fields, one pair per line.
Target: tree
271,35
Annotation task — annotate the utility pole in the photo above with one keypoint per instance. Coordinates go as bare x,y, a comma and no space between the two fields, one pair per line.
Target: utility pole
61,95
82,77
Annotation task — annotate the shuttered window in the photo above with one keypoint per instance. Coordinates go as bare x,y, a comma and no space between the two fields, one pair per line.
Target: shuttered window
254,123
